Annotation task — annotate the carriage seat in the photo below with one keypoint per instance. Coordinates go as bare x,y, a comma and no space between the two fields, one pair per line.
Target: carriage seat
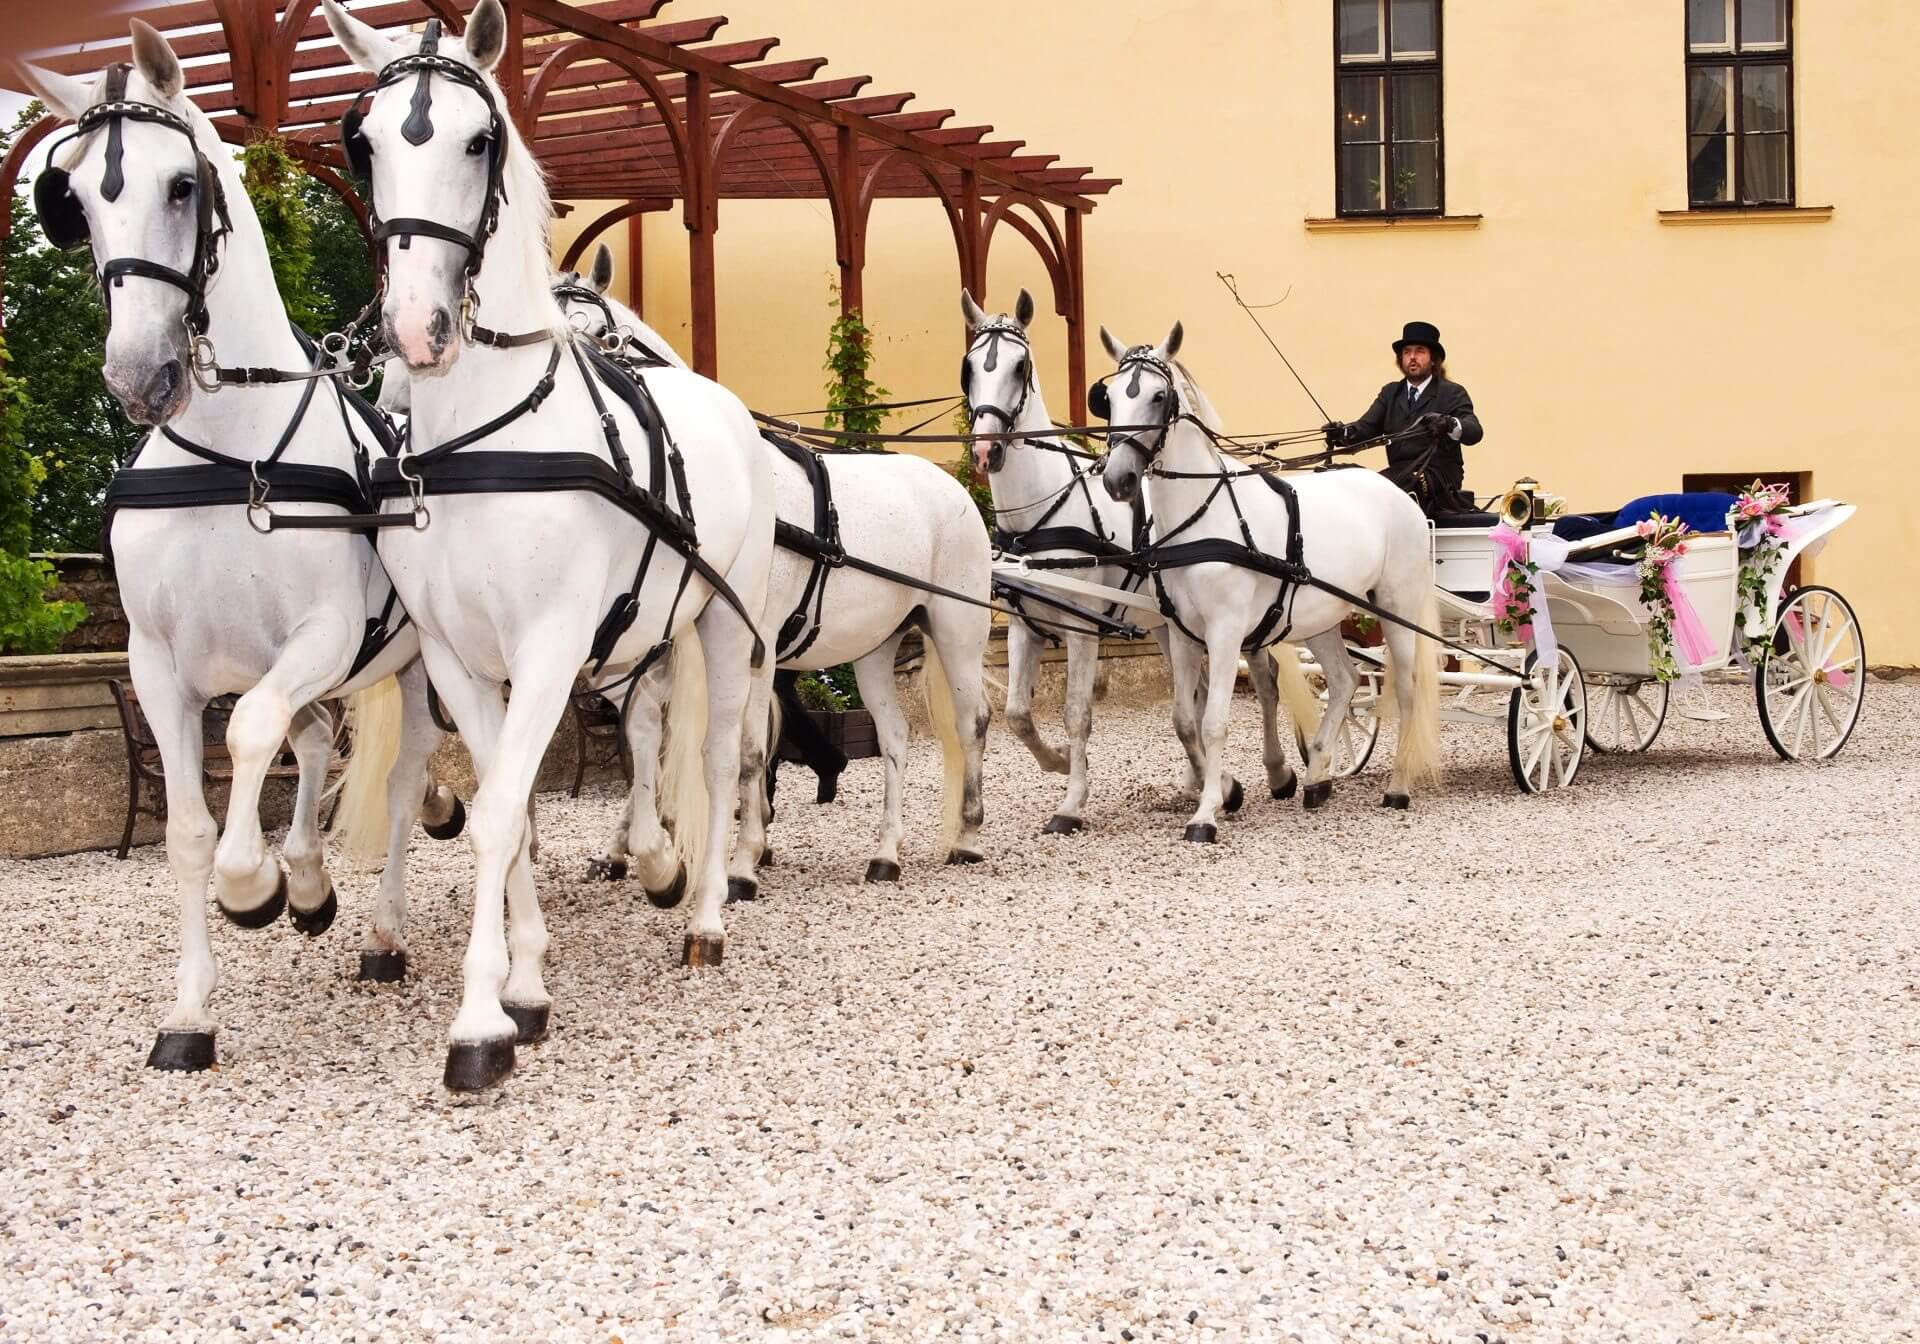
1482,521
1700,510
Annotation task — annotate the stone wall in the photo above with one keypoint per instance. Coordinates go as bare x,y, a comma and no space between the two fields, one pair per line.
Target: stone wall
86,578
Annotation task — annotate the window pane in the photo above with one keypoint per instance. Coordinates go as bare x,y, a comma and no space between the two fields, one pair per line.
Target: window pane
1360,177
1360,115
1707,25
1709,99
1707,178
1360,34
1763,24
1763,98
1416,107
1416,28
1763,162
1416,177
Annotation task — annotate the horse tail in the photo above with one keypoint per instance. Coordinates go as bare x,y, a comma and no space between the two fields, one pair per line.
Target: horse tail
1419,750
1300,700
360,818
946,727
684,804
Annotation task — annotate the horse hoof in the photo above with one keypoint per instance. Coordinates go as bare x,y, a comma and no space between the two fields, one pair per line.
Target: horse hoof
672,896
829,788
475,1066
742,889
447,830
317,921
766,859
1061,824
264,913
699,950
1235,796
1399,802
1200,833
959,857
1317,794
606,870
1287,790
182,1052
529,1020
882,871
383,968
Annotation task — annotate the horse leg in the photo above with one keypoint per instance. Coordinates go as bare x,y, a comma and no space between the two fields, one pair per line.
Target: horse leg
185,1042
311,734
750,844
383,955
874,673
1265,674
247,881
1083,661
1330,650
1219,790
1023,665
959,633
727,643
1184,659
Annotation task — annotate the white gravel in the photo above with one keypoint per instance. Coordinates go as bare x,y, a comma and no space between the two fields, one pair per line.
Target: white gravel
1635,1063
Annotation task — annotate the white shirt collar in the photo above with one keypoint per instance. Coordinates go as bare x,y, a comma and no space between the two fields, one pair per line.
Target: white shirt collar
1419,389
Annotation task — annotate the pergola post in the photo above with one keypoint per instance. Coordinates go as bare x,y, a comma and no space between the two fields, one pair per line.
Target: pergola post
973,260
1076,318
851,223
511,72
635,264
703,221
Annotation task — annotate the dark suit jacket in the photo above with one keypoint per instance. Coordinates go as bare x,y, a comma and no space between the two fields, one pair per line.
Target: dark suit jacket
1446,468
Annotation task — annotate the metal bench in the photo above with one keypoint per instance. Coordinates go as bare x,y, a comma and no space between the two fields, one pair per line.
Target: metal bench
144,767
602,739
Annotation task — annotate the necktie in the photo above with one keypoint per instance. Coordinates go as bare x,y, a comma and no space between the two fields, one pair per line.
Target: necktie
1413,398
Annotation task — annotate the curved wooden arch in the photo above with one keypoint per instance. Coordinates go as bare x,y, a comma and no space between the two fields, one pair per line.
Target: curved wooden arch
568,54
758,111
591,234
869,192
1052,251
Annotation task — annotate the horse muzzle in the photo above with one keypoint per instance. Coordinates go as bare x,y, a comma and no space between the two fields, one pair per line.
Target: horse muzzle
991,456
426,343
1121,483
153,397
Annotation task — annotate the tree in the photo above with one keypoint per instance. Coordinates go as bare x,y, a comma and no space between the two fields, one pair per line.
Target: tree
342,276
275,186
29,623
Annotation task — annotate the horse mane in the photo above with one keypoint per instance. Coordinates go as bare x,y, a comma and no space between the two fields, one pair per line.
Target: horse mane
528,204
1191,395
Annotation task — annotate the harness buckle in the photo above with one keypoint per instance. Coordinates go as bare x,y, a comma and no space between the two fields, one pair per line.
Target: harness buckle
257,491
202,361
416,494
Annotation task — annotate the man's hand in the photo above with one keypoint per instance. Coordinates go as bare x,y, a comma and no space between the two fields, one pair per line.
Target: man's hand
1435,423
1335,432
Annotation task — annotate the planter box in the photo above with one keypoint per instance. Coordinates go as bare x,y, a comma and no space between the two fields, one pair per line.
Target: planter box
851,731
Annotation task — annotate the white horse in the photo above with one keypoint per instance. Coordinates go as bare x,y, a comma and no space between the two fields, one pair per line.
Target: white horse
1219,527
214,607
507,584
895,511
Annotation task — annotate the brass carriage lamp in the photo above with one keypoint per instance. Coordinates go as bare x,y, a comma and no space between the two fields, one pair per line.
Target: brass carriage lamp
1518,508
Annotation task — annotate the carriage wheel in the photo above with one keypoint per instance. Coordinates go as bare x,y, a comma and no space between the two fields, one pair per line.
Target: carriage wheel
1624,714
1354,740
1812,685
1546,724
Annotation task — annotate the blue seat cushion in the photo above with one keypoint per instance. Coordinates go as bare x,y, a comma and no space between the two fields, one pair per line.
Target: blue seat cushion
1701,511
1580,526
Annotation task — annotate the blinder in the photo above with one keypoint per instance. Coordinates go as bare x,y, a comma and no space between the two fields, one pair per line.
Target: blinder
1098,402
61,217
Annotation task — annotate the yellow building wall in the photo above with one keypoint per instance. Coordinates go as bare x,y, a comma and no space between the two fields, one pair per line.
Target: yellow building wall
1607,352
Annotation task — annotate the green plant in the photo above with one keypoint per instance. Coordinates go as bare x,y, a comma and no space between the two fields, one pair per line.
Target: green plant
969,475
832,689
275,186
29,622
851,392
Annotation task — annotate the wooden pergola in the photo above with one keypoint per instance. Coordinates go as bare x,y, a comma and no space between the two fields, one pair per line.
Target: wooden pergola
620,106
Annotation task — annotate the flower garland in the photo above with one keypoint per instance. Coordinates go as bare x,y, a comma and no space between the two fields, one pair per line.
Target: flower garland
1513,599
1759,514
1665,544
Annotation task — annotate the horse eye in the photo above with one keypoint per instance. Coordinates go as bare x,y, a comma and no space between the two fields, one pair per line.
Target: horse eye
1159,397
479,143
181,189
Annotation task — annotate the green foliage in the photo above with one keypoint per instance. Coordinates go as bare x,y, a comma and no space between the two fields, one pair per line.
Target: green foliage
969,475
29,622
342,276
274,185
833,689
851,391
67,418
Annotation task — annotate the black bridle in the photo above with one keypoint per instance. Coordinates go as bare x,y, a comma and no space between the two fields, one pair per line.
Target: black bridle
1139,359
64,220
989,334
418,129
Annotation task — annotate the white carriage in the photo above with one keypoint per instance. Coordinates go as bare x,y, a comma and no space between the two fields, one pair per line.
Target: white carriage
1600,691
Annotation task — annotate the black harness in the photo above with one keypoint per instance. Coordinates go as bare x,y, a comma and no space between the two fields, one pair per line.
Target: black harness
1165,553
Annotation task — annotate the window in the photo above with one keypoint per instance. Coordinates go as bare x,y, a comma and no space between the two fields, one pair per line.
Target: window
1386,78
1739,103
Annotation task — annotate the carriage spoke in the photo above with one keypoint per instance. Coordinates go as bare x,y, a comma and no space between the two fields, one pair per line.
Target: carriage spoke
1798,715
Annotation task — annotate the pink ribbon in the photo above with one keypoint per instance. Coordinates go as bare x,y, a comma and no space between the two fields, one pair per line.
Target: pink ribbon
1509,549
1689,635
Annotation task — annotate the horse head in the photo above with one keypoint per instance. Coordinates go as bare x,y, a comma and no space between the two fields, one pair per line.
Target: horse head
996,374
1141,399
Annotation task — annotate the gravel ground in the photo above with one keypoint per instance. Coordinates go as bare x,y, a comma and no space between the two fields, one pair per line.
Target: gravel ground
1638,1062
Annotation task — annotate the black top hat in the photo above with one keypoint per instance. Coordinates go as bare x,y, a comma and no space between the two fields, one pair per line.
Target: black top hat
1422,333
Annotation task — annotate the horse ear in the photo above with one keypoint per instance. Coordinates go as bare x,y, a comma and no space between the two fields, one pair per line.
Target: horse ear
365,45
1172,346
155,60
486,37
1023,310
1114,348
970,310
64,95
602,275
